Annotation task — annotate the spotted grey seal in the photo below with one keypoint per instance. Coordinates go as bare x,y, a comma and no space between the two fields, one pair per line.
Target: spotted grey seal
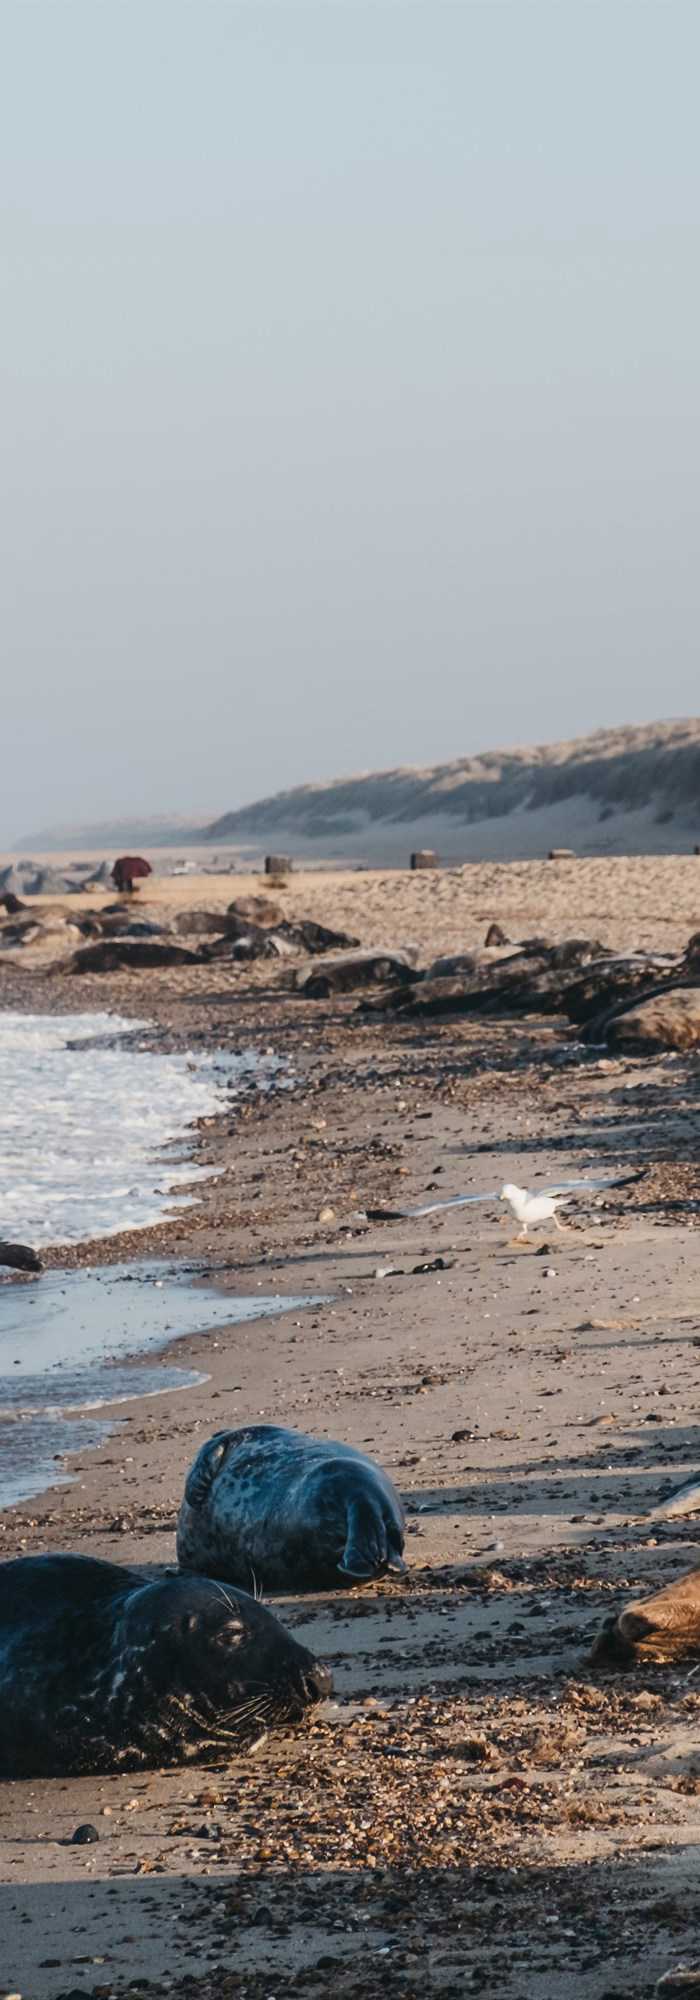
102,1670
289,1512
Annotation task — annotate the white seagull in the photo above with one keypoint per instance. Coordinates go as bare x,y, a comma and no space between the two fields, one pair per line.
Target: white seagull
532,1208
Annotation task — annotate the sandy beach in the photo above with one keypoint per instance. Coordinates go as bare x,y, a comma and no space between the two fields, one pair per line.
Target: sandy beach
475,1809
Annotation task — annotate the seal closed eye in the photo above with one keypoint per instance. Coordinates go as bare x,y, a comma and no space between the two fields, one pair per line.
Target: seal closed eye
275,1507
102,1669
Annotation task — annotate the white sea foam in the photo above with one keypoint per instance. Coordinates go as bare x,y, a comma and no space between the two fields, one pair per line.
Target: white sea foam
84,1124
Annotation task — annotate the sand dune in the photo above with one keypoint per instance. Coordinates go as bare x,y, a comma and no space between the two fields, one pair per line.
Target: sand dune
631,790
634,790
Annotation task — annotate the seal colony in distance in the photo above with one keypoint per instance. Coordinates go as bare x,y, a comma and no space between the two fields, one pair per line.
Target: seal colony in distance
274,1507
103,1670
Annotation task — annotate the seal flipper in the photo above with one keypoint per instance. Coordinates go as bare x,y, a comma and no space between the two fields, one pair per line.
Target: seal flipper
396,1562
365,1554
207,1463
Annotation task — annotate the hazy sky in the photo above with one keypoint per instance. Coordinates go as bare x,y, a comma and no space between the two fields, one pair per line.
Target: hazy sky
349,363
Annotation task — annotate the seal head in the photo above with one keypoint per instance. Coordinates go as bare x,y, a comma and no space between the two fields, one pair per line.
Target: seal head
289,1511
659,1629
101,1670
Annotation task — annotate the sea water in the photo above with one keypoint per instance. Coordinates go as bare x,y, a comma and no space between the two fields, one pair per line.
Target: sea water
70,1342
88,1121
96,1130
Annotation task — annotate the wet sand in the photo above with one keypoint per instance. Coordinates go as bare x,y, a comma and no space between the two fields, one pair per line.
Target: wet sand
475,1811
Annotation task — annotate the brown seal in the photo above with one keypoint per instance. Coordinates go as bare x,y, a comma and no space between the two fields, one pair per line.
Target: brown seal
660,1628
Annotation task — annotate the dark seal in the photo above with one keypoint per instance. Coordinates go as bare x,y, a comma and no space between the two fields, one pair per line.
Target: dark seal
275,1508
19,1257
102,1670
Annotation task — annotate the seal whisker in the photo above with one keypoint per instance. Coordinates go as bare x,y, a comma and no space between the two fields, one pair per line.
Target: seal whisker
219,1588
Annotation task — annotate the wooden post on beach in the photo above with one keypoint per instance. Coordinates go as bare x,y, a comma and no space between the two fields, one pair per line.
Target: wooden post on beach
278,864
425,858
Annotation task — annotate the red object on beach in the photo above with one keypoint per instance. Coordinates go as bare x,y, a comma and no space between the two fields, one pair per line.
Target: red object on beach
128,869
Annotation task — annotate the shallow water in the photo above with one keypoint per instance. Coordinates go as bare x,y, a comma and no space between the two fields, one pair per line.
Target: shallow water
68,1342
95,1127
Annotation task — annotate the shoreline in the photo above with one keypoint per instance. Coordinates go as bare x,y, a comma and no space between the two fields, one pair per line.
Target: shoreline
531,1420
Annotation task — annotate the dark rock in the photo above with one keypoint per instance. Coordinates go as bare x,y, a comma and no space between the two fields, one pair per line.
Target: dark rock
424,857
278,864
11,904
84,1835
495,936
